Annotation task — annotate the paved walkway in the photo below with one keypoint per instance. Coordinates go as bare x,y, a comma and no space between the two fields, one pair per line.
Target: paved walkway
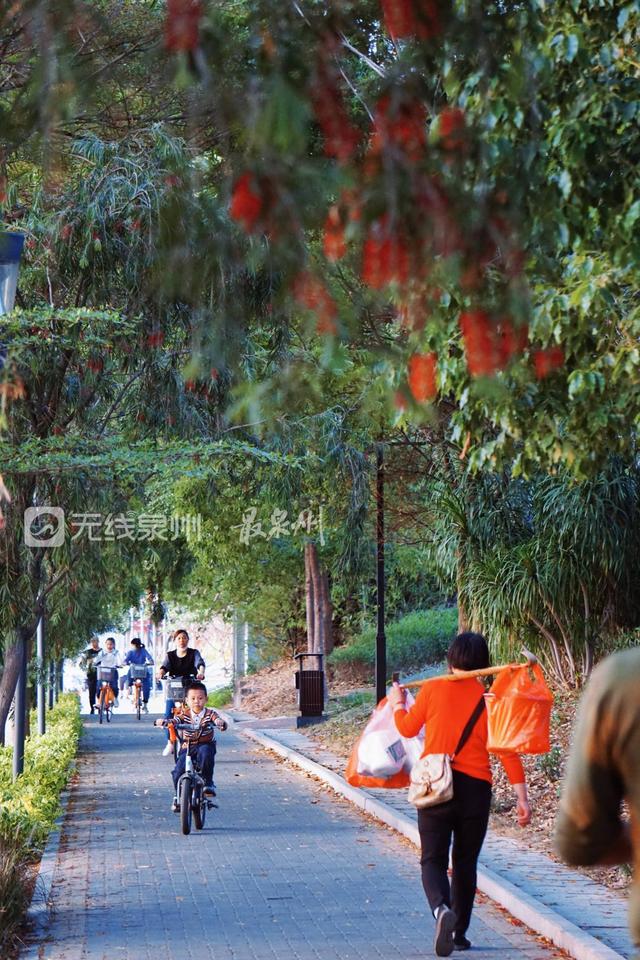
583,902
284,870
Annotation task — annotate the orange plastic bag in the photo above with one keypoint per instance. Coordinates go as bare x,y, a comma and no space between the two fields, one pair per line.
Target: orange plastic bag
519,711
381,757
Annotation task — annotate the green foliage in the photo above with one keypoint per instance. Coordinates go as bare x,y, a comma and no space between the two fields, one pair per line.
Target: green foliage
221,697
29,807
419,638
551,764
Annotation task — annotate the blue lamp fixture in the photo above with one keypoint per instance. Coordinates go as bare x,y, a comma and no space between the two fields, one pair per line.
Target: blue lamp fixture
10,250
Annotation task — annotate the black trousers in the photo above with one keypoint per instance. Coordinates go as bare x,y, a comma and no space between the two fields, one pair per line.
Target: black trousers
464,818
92,683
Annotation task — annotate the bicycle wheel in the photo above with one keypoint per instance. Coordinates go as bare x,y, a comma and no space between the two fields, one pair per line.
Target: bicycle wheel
199,808
100,707
138,703
185,805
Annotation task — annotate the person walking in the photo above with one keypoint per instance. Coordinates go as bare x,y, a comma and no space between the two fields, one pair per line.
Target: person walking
602,771
445,707
87,663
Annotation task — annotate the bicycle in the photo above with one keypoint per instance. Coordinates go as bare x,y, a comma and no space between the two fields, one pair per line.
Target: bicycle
175,690
138,674
106,696
190,790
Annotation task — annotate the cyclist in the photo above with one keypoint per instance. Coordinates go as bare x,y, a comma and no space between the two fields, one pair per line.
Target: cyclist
196,712
139,656
88,664
110,659
184,662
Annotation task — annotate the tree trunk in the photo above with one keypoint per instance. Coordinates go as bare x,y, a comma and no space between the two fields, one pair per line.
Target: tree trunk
318,613
12,663
309,599
327,613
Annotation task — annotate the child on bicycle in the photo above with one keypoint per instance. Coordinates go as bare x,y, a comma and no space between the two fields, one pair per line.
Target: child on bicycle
195,712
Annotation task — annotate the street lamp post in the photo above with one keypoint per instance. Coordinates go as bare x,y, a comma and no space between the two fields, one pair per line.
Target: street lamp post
381,639
10,251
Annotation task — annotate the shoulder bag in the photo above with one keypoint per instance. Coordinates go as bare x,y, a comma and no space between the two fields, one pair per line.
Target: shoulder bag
432,776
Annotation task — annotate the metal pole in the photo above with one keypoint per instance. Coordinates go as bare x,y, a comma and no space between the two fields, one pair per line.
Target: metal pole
52,682
41,706
381,640
60,675
130,624
20,709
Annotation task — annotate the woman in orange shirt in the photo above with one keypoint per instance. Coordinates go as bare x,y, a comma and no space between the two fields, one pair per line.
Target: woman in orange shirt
444,707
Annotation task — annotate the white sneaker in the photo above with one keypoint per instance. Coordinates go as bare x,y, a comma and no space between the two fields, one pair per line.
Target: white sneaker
116,703
175,806
168,750
145,708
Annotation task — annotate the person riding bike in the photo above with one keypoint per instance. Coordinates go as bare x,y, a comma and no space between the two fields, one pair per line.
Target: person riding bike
205,719
185,663
110,659
139,656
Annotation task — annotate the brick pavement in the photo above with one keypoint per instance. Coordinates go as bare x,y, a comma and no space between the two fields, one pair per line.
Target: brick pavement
284,869
587,904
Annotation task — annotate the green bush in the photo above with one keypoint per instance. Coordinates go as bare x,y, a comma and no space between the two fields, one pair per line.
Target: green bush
221,697
29,807
417,639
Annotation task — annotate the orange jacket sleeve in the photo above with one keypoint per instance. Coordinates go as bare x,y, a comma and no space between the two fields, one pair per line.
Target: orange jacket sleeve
410,722
513,767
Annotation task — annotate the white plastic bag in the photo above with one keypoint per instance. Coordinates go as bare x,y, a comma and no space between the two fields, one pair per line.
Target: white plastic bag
382,757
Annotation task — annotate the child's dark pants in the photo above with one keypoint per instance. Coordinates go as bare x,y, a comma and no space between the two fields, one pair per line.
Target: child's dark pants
203,756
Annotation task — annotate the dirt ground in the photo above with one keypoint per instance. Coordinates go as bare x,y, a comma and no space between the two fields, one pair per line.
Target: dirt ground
273,694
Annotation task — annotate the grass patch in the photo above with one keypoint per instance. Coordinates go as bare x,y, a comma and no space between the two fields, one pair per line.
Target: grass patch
221,697
419,638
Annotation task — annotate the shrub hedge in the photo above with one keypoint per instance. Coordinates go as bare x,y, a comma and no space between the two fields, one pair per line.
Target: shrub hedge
220,697
29,807
414,640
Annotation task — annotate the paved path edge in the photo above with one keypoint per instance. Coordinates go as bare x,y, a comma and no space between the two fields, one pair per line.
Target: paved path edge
37,916
538,917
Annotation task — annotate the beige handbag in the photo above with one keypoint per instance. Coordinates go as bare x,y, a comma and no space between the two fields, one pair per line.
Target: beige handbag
432,775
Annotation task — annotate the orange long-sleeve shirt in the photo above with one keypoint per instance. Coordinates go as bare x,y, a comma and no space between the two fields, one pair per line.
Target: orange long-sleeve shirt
443,708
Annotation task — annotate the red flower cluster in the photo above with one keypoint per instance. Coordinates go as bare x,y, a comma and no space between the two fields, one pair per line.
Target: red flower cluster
385,256
246,202
333,241
451,126
489,346
402,124
544,361
341,138
347,209
95,364
422,376
312,294
411,18
182,25
155,338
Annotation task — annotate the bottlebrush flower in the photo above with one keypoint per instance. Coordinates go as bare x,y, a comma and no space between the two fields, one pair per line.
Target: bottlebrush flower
479,339
452,127
402,124
311,293
182,25
246,202
544,361
422,376
411,18
333,241
341,138
385,257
